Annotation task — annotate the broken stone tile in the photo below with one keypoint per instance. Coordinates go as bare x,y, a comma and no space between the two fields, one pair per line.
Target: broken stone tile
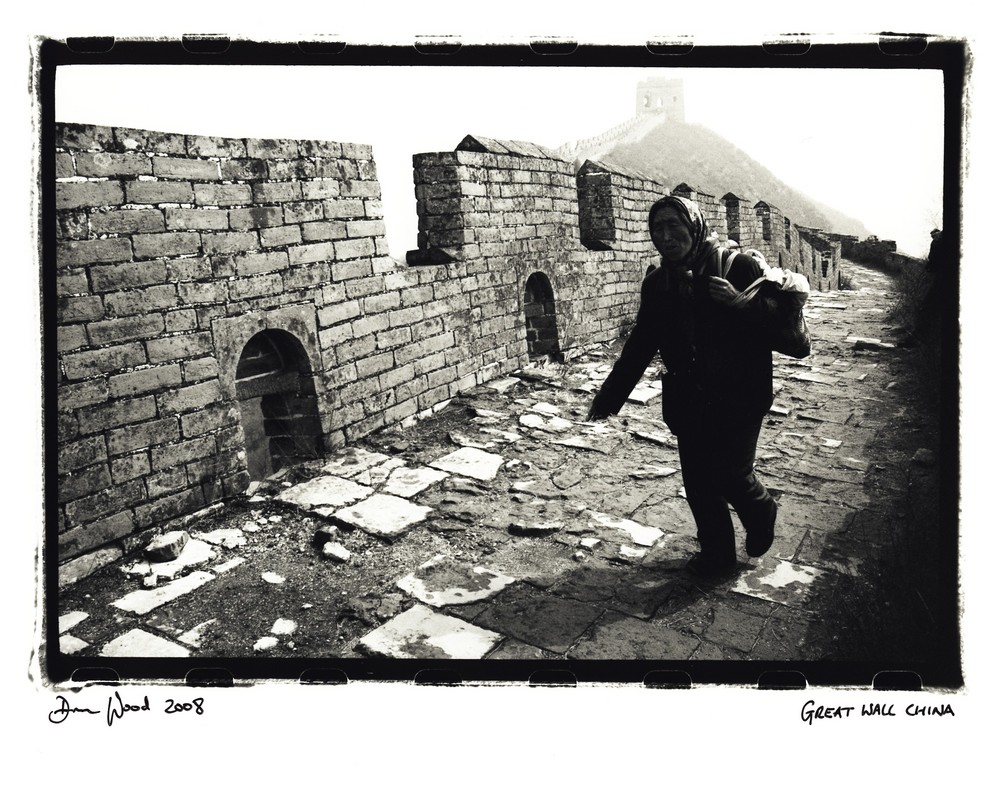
70,619
662,438
620,637
284,626
544,423
71,645
442,581
383,515
780,581
195,552
460,439
653,472
334,551
424,634
470,462
533,527
830,443
272,578
265,643
352,462
644,393
822,379
377,475
501,386
139,643
167,546
142,601
324,494
408,482
780,410
221,568
193,636
546,409
226,538
639,534
502,435
591,443
627,553
251,526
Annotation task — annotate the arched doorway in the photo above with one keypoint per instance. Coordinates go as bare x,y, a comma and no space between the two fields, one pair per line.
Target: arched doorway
540,317
277,397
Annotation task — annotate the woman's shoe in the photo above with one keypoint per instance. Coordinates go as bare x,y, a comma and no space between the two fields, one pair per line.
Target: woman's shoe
759,540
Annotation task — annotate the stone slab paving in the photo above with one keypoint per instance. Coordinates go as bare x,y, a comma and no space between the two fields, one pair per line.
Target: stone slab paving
470,462
441,581
546,537
383,515
323,495
408,482
142,601
780,581
140,643
421,633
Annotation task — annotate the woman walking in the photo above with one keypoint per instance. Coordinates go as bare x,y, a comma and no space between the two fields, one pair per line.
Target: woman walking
716,380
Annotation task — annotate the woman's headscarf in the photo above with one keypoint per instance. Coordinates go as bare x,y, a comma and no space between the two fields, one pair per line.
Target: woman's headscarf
702,243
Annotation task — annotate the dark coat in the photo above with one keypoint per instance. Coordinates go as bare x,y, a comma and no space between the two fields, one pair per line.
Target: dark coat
717,363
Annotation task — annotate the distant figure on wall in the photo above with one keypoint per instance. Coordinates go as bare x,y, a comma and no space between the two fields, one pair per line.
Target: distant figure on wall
717,380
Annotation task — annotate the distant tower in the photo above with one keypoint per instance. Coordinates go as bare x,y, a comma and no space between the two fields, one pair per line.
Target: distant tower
660,96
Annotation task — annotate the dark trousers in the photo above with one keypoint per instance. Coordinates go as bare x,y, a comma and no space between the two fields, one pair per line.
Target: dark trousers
717,457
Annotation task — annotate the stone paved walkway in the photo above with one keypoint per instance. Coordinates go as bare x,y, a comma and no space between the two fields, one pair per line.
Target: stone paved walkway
507,527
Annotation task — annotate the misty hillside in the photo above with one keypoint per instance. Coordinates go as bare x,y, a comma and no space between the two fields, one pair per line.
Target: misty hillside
676,152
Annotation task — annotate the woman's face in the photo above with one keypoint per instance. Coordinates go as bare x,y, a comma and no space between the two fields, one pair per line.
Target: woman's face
670,234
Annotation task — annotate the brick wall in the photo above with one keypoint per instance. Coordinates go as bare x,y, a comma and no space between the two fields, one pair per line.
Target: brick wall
173,251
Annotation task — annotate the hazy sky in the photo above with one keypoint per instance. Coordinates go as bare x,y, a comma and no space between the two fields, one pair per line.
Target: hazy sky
866,142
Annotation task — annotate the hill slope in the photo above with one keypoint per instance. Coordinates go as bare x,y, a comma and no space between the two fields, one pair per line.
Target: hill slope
676,152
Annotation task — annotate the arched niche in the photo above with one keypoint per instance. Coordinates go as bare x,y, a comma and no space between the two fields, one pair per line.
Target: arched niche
277,399
541,327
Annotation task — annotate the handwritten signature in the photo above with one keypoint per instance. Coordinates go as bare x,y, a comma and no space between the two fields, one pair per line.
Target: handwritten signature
117,708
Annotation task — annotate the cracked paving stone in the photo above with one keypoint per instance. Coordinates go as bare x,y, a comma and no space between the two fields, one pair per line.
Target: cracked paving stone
142,601
226,538
441,581
470,462
421,633
780,581
639,534
515,649
139,643
544,423
383,515
408,482
541,620
323,495
195,552
644,393
620,637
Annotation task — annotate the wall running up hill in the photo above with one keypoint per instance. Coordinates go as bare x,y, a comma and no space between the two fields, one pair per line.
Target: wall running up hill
227,306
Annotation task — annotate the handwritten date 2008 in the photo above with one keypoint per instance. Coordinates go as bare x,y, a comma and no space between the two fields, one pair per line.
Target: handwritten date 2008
118,708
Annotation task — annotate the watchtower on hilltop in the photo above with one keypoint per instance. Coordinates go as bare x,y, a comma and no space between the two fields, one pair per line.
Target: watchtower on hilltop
660,96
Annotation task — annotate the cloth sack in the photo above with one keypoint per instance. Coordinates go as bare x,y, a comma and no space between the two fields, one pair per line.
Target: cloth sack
784,293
